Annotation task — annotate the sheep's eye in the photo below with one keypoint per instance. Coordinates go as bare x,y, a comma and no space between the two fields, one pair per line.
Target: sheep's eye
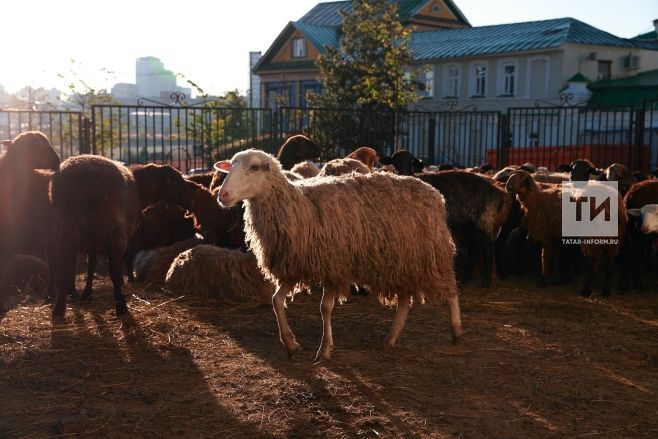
254,167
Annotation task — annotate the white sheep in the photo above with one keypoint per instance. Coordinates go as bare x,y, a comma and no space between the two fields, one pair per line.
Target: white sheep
333,231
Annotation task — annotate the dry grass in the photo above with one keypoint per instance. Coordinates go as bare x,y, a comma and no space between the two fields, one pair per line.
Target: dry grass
534,363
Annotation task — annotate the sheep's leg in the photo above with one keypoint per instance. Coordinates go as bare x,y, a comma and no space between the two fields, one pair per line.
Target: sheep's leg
285,333
65,279
404,305
455,318
128,260
327,344
546,262
91,269
114,263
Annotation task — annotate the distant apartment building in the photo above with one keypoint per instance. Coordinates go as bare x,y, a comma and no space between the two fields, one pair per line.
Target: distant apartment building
152,81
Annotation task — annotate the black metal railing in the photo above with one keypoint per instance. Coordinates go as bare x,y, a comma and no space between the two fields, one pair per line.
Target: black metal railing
190,137
185,137
553,136
67,130
647,132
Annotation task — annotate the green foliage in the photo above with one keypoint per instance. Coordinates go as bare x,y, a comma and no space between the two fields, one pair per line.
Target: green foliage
369,69
368,76
219,124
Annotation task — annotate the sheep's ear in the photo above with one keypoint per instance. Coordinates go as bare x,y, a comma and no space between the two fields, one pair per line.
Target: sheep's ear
634,212
6,142
223,166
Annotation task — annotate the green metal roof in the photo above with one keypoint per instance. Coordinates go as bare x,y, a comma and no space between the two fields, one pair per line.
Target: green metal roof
326,14
578,77
505,38
320,36
632,91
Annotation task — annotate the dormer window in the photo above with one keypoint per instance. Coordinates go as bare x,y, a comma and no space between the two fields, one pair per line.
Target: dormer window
299,47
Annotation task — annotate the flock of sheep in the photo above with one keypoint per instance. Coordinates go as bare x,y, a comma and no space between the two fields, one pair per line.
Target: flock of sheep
261,228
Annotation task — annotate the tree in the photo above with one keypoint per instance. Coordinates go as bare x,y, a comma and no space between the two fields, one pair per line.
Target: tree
220,125
369,74
369,68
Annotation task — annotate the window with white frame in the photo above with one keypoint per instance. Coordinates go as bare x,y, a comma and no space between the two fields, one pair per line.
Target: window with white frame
509,80
428,83
453,82
299,47
480,80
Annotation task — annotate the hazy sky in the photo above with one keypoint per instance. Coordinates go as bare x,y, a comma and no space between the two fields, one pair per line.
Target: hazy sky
209,41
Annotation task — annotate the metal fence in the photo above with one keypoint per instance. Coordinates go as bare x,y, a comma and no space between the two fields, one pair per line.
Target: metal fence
67,130
185,137
458,138
190,137
558,135
647,129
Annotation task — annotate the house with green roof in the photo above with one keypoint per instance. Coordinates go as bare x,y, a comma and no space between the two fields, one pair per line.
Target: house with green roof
490,67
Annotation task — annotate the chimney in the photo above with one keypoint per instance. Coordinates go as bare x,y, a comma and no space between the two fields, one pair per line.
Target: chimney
655,26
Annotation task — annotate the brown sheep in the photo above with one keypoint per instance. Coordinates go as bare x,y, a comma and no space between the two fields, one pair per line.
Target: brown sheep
637,244
204,178
477,208
96,208
543,219
23,195
333,231
159,225
229,275
222,227
296,149
154,183
365,155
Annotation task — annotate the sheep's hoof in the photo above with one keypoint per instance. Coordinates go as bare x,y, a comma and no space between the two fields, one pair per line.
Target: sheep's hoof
58,314
291,349
321,358
121,308
585,293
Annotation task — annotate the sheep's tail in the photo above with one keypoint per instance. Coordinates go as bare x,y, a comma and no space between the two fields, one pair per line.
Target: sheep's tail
143,263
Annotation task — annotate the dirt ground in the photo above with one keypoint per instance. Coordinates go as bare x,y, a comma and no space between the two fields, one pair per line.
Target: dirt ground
533,363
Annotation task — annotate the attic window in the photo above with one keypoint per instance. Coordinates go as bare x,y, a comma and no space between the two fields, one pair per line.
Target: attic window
299,47
436,9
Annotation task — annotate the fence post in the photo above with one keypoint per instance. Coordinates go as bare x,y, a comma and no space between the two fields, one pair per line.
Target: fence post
505,141
431,137
637,148
84,137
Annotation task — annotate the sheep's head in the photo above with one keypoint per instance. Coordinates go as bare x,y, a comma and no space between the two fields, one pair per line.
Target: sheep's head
647,218
520,182
581,169
31,150
404,162
366,155
296,149
247,175
162,183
